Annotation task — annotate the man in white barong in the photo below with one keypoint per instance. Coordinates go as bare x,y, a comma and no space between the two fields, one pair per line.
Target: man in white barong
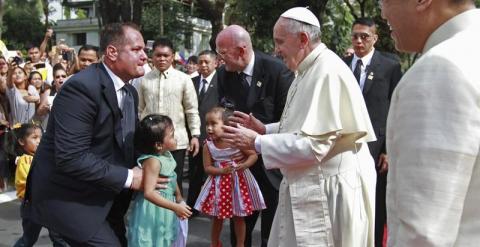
328,190
433,128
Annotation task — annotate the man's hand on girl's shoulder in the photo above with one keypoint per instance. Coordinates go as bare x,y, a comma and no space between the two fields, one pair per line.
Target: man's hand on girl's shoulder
137,181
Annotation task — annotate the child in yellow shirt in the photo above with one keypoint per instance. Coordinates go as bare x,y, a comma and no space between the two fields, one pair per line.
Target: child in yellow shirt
27,139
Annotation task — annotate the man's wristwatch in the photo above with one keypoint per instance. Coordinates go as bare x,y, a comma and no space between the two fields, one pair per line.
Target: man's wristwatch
196,136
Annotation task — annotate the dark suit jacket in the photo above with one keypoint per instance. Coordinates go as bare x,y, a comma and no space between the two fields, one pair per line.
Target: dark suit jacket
265,98
210,100
383,75
79,166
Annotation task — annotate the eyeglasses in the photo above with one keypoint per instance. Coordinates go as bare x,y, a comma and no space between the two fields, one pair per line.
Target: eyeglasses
362,36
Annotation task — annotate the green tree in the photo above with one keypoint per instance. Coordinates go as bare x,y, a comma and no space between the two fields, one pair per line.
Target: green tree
212,10
120,11
2,12
22,25
166,18
259,17
46,9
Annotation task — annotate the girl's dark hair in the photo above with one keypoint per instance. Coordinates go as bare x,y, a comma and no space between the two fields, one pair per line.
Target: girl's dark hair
58,67
30,77
150,131
13,146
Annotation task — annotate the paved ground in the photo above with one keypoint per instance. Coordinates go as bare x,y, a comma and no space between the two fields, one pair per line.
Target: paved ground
10,227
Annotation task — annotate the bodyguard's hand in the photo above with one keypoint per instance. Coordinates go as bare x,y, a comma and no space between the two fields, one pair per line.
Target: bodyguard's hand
137,181
239,137
248,121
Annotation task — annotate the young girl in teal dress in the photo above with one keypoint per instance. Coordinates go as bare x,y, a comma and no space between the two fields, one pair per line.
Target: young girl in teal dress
155,216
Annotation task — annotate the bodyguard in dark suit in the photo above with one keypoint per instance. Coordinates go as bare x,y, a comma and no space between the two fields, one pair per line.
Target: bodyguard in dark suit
255,83
79,182
378,74
207,92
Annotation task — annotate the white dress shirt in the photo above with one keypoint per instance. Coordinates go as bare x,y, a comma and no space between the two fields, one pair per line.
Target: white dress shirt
249,69
365,63
118,85
208,79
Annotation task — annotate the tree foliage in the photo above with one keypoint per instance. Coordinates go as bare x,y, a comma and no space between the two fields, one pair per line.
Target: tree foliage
170,16
336,17
120,11
212,10
21,24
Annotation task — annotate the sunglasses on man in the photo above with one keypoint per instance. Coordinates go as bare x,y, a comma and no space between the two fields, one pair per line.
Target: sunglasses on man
362,36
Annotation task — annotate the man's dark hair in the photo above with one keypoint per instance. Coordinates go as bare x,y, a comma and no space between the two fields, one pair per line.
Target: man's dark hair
114,33
164,42
89,48
366,21
208,52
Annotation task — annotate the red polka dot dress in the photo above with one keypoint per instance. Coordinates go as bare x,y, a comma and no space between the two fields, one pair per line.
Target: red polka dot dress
228,195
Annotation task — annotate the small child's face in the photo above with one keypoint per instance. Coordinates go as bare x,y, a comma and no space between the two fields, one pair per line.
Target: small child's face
30,143
169,142
214,124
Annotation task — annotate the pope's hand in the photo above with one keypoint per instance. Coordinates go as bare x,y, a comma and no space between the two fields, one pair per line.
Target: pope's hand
239,137
248,121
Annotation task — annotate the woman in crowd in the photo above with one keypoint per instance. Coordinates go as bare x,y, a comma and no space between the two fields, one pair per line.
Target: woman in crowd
38,84
4,113
22,104
48,94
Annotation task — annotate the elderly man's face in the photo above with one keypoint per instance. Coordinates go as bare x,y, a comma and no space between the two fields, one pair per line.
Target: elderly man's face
230,54
287,45
402,20
131,57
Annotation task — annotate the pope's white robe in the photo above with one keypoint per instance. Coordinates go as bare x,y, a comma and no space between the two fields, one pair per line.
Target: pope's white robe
328,190
433,141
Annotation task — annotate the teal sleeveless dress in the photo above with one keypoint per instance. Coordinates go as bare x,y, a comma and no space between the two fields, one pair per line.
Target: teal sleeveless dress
148,224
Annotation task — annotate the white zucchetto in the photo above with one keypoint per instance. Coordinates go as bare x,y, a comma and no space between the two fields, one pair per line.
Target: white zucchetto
301,14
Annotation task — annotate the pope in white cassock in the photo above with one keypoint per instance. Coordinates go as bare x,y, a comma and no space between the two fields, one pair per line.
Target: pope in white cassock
328,190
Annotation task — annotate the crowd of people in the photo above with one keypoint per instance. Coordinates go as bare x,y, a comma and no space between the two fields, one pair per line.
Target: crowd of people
28,87
328,150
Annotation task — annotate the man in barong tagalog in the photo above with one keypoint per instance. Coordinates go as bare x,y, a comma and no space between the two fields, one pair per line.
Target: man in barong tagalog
327,195
433,128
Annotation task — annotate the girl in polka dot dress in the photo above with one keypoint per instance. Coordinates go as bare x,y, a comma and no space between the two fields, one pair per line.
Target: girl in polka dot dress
230,190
